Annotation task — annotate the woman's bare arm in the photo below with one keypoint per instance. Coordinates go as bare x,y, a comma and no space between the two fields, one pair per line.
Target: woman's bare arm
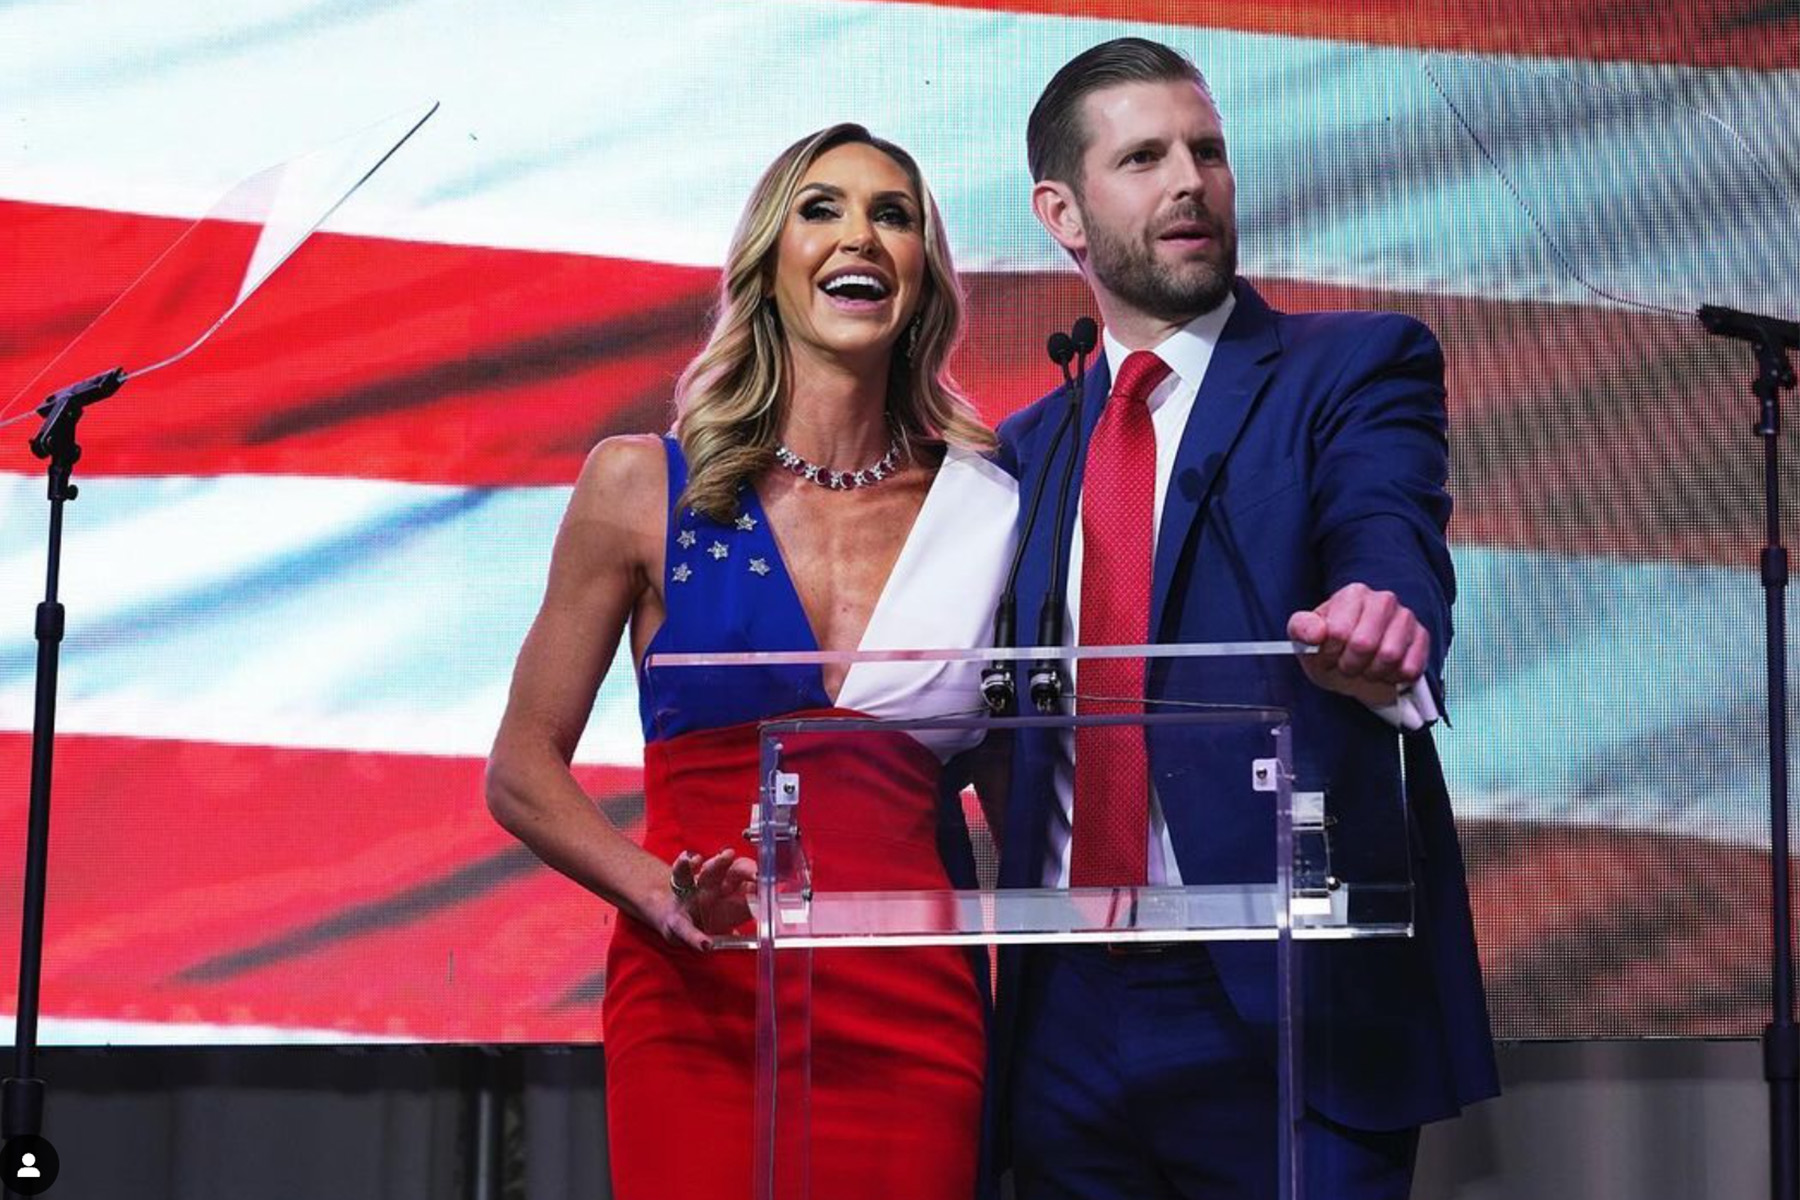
602,574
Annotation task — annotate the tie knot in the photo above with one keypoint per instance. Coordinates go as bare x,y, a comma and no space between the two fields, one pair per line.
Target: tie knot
1138,376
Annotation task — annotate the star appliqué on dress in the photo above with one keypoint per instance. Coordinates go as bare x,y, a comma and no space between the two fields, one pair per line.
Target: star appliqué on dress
746,522
686,539
718,550
759,566
681,573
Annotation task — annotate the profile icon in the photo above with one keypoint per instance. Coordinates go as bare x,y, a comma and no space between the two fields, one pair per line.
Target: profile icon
28,1165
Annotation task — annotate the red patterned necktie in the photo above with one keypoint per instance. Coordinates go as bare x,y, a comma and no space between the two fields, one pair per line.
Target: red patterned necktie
1111,837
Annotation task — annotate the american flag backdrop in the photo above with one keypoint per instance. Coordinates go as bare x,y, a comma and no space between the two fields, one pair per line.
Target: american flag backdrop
303,559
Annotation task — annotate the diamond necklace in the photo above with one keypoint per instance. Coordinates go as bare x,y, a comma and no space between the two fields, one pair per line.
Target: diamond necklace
840,481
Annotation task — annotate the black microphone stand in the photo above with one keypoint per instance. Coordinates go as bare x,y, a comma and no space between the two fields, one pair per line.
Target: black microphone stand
1772,339
22,1095
999,688
1049,684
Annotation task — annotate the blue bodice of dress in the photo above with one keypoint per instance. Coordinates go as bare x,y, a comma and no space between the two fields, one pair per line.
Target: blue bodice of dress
726,589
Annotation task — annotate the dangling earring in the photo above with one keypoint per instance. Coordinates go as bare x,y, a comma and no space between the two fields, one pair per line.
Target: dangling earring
912,341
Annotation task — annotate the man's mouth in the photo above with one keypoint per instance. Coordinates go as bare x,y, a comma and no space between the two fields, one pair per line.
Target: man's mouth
1187,232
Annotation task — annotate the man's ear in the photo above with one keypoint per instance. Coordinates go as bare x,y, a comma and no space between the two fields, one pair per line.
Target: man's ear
1054,204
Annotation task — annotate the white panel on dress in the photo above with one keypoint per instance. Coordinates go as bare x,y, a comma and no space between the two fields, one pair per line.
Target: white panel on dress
941,594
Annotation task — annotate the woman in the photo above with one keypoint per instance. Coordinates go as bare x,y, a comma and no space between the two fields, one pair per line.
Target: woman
823,490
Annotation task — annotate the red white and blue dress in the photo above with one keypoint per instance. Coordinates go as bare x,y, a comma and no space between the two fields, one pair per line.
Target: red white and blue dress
897,1035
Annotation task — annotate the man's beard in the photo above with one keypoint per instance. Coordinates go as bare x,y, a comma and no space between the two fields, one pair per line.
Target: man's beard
1131,271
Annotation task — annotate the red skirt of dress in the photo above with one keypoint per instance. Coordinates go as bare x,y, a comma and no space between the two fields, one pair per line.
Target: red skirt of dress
897,1042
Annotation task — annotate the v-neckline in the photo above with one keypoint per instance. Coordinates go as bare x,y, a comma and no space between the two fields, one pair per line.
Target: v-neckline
881,597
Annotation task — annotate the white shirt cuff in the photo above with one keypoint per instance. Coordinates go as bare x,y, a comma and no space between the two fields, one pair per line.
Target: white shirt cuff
1411,710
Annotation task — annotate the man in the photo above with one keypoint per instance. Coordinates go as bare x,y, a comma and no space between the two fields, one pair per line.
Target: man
1265,475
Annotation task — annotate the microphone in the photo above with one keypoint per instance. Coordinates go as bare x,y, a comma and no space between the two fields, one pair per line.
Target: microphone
1048,681
1085,335
999,690
1750,327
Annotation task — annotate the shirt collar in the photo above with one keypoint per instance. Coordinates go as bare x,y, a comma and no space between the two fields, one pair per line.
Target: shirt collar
1188,349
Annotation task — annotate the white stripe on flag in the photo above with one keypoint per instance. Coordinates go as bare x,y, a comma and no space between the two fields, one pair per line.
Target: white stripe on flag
385,617
636,129
325,613
1596,691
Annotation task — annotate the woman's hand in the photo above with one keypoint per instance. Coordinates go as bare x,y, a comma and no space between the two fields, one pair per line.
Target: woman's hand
705,897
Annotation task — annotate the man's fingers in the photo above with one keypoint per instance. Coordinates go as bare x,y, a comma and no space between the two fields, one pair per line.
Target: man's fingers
1417,653
1329,625
1306,626
1363,641
1364,637
1388,664
1340,615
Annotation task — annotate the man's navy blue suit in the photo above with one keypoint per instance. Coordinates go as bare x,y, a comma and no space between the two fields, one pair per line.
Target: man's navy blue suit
1315,456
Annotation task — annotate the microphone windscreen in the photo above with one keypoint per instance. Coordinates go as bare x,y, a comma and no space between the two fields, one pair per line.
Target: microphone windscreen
1086,334
1061,348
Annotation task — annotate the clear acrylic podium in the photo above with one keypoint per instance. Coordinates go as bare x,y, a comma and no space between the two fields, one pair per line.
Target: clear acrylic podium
829,777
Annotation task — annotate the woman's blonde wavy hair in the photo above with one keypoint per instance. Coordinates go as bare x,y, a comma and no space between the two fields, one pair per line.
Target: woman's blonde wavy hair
728,402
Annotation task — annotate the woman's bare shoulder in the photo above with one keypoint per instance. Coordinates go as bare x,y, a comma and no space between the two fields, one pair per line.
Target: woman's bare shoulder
626,460
625,475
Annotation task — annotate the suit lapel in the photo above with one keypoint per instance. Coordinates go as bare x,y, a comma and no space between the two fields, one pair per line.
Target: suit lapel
1240,367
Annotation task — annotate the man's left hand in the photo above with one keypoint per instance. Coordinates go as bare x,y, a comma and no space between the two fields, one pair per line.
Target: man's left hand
1371,646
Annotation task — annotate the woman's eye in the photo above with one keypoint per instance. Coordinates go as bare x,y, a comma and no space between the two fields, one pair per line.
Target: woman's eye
893,214
817,210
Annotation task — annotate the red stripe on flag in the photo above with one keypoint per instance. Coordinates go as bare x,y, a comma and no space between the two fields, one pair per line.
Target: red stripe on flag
1576,429
366,893
370,894
1593,932
1723,33
367,357
1573,430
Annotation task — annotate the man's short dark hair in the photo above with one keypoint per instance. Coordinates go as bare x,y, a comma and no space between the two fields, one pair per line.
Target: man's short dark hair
1056,137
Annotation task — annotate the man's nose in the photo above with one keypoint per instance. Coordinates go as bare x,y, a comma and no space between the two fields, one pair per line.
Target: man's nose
1185,177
